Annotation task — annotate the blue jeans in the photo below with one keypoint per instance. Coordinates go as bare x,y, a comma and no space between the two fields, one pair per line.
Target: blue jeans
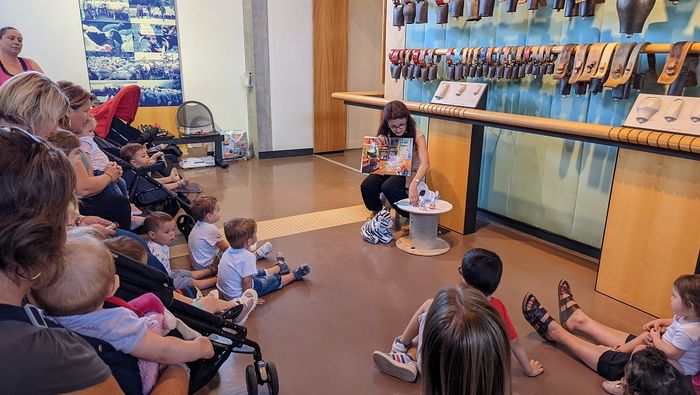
118,186
264,284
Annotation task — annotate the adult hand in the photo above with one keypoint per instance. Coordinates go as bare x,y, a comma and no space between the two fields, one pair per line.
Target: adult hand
655,336
383,140
113,170
94,220
103,231
413,194
655,324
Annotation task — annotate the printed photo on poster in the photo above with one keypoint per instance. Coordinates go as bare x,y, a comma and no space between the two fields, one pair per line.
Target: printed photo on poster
133,42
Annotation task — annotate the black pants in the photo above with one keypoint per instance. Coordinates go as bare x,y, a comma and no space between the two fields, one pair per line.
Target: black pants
393,187
110,206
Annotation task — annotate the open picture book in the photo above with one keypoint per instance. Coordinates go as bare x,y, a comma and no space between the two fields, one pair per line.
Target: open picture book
393,159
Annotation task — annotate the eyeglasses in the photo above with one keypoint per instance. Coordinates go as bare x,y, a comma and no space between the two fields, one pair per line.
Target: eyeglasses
398,126
37,143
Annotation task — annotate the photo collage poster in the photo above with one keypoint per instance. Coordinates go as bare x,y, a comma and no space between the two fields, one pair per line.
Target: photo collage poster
133,42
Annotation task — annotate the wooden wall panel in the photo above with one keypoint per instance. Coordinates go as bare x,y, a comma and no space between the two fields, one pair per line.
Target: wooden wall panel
330,23
652,232
454,170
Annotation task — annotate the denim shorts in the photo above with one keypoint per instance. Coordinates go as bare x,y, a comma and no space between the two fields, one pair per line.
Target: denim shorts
264,284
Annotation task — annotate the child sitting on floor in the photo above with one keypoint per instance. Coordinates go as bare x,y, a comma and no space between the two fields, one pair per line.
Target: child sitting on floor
210,303
205,242
161,230
76,301
237,271
481,269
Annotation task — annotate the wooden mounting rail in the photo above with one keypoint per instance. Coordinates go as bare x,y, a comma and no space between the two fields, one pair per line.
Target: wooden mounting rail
651,48
674,143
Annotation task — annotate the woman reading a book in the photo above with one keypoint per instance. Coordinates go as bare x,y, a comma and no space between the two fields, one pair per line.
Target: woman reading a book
397,123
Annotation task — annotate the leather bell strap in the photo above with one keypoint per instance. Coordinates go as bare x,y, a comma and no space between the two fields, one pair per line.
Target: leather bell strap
674,63
592,61
448,56
605,58
632,62
565,58
579,62
617,66
421,57
394,56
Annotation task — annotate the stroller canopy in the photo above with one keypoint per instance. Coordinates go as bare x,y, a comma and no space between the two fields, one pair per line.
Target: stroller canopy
123,106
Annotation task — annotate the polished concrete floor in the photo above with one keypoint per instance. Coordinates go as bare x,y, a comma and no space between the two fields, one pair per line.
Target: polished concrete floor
321,332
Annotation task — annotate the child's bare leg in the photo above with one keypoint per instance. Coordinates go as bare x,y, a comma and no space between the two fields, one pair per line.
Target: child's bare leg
632,345
286,278
273,270
205,283
204,273
411,331
602,334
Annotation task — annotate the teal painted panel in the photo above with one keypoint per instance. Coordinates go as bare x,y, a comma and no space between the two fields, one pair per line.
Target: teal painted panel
559,185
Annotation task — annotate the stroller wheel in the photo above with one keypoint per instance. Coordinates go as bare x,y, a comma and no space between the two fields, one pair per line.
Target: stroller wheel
272,381
251,380
185,223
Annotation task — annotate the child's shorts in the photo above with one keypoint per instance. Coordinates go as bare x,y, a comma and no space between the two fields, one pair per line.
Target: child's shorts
264,284
181,278
611,364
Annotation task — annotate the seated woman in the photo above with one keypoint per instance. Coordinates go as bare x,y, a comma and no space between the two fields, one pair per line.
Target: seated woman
54,360
678,338
18,106
397,122
649,373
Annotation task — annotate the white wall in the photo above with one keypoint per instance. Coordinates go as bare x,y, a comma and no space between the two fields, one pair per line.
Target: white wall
211,47
290,27
212,56
52,35
364,68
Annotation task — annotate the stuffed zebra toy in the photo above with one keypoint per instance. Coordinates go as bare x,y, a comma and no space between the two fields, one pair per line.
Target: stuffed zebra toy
378,228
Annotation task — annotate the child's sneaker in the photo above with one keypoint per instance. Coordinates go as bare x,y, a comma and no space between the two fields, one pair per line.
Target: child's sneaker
301,271
399,347
264,250
249,299
401,366
282,263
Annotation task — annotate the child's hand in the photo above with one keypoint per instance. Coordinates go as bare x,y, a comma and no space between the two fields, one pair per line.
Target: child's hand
205,347
655,324
535,369
655,336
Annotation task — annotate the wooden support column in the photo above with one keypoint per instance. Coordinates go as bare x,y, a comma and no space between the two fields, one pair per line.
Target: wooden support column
330,23
652,233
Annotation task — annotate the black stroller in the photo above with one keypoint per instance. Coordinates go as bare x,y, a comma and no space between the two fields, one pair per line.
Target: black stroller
115,116
227,337
147,193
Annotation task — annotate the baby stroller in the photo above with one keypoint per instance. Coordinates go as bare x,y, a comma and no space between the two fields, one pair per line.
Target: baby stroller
115,116
227,337
148,194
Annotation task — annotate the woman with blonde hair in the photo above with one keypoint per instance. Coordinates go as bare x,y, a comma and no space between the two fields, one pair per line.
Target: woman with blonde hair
465,348
31,100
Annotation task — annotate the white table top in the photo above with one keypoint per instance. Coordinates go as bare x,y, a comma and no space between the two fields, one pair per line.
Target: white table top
441,206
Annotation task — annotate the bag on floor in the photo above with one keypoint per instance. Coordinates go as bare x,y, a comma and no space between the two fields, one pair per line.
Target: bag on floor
378,229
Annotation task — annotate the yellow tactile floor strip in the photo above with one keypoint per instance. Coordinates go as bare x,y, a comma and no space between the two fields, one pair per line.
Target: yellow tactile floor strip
296,224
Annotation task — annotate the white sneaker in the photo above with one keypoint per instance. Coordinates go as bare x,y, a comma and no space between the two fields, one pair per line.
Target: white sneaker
399,347
249,300
401,366
214,293
264,250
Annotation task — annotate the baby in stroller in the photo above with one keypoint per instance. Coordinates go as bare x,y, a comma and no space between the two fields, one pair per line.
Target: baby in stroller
76,301
137,156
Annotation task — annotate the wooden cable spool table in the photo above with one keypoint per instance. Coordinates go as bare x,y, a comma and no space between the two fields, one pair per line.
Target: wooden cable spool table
422,236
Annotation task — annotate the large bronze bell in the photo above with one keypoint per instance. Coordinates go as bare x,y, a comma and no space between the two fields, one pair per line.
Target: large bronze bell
632,15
